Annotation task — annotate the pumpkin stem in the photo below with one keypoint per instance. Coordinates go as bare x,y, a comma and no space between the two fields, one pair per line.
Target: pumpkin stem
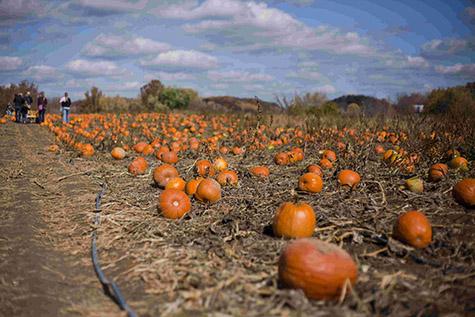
295,196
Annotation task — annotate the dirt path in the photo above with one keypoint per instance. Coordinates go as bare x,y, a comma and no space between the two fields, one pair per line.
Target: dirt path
36,279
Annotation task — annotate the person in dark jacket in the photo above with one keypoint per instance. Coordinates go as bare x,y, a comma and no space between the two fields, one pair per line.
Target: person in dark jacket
42,102
26,106
18,101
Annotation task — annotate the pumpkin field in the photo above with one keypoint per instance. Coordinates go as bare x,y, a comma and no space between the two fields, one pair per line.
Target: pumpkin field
246,215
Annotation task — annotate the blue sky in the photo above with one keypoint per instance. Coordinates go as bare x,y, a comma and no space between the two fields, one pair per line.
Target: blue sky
240,48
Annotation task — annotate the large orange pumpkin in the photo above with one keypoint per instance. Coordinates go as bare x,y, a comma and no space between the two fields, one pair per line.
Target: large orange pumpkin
294,221
316,169
87,150
310,182
169,157
208,191
139,147
329,155
118,153
164,174
220,164
349,178
413,228
282,159
464,192
138,166
176,183
174,203
192,185
321,269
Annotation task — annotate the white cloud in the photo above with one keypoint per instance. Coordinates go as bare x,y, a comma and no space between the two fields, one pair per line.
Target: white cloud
85,67
235,76
448,45
307,75
417,61
326,89
132,85
220,86
113,45
42,73
164,76
114,4
464,70
182,59
14,9
254,87
10,63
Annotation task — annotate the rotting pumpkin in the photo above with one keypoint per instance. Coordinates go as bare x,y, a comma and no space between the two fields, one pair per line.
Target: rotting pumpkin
321,269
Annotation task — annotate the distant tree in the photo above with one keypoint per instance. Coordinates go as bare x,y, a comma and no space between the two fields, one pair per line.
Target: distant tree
353,109
7,93
405,102
152,89
459,101
92,103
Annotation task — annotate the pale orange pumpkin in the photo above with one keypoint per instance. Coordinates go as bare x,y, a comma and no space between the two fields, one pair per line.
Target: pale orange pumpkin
310,182
349,178
118,153
321,269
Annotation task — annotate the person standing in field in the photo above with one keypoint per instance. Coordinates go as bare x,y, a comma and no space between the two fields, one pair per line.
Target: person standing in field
65,107
42,102
25,107
18,101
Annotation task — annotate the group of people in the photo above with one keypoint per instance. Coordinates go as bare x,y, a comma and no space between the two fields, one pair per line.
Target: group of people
21,105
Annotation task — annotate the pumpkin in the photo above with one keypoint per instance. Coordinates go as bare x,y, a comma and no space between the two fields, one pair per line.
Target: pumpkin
174,203
316,169
437,172
464,192
220,164
298,152
349,178
160,152
329,155
208,191
176,183
237,150
459,163
415,185
138,166
225,178
379,149
169,157
294,221
260,171
413,228
148,149
190,187
139,147
118,153
282,159
204,168
325,163
310,182
3,121
164,174
321,269
87,150
450,154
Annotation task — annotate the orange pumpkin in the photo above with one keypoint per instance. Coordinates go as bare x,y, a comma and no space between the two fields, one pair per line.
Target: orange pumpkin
53,148
282,158
325,163
464,192
437,172
319,268
176,183
225,178
174,203
204,168
192,185
349,178
220,164
139,147
87,150
118,153
329,155
310,182
208,191
260,171
413,228
316,169
379,149
294,221
459,163
148,149
138,166
169,157
164,174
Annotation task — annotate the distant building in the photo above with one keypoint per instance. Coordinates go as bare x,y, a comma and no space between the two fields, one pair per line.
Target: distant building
418,108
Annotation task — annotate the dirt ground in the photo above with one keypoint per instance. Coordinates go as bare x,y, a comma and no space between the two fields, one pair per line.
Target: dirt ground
218,260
